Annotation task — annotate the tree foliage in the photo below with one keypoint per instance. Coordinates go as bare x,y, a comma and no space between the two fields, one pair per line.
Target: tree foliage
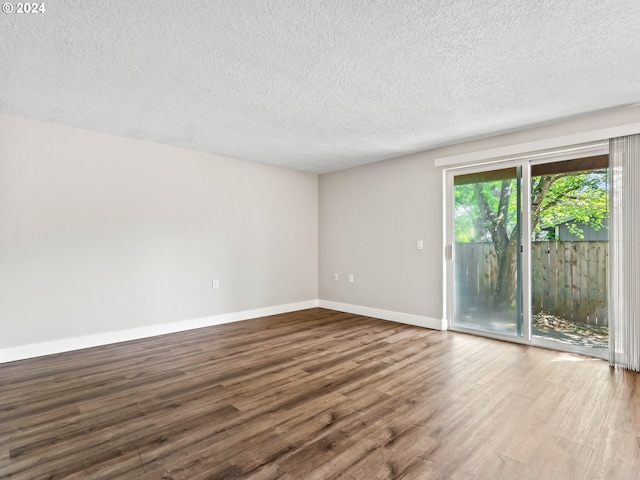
578,198
581,198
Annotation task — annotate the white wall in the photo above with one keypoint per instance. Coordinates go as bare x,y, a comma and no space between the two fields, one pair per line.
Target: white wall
370,220
101,233
371,217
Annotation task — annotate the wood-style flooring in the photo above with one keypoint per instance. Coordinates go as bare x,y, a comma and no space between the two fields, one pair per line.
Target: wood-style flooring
318,394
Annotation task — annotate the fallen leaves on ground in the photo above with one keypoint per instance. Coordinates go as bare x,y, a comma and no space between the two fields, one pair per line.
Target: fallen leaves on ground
566,331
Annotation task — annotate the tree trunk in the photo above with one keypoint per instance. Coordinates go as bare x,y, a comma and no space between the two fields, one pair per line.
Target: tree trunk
506,243
504,295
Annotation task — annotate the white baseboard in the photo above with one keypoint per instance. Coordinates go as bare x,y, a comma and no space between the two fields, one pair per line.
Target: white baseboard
417,320
67,344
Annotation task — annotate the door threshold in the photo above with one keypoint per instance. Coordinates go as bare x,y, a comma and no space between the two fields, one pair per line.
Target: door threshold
599,353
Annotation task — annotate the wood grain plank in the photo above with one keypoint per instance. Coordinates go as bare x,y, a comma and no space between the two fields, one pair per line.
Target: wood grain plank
317,394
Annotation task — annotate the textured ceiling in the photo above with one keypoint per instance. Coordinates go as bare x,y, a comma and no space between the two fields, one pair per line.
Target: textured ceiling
317,85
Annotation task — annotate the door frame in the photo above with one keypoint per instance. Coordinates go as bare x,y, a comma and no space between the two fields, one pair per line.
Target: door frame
525,162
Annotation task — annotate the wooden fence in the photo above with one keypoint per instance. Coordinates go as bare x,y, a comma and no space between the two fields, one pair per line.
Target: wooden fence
569,278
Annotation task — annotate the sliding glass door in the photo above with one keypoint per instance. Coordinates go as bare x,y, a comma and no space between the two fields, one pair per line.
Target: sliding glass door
528,252
486,250
570,252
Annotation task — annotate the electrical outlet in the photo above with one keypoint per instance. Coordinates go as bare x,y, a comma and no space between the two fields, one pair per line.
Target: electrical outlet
215,284
336,276
351,278
420,245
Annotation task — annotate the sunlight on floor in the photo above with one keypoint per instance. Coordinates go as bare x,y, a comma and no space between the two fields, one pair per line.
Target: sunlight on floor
570,357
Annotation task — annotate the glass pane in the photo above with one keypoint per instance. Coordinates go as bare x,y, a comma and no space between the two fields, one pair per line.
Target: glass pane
570,252
486,260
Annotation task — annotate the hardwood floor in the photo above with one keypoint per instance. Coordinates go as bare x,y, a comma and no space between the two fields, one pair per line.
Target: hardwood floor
318,394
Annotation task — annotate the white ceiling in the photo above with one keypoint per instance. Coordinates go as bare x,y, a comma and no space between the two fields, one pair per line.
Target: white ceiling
317,85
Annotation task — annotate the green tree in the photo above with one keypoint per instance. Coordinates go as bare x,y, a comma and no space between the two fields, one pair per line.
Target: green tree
487,211
581,197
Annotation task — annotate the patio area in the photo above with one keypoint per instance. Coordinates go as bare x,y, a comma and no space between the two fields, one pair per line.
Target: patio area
572,333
